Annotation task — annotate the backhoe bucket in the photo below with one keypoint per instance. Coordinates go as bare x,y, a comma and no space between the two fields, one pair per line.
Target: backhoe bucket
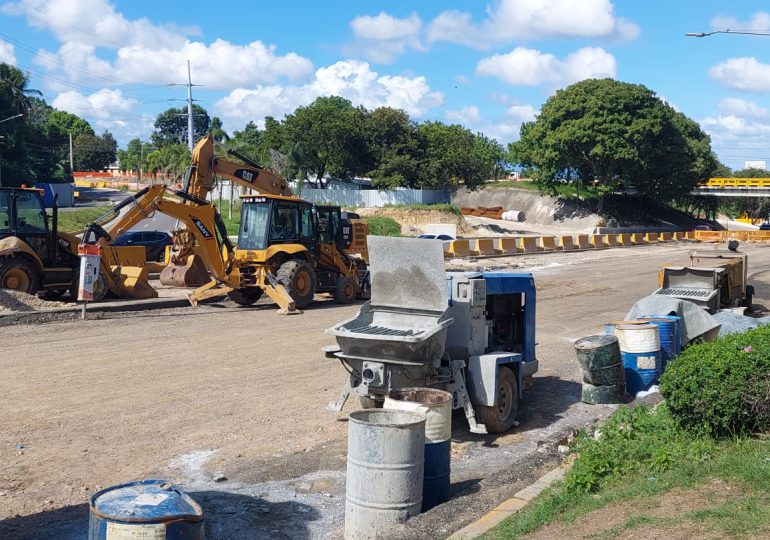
191,274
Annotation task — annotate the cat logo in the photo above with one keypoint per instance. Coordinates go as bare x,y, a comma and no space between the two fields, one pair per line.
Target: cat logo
202,228
247,176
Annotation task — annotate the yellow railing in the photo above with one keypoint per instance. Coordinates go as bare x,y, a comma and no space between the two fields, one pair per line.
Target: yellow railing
737,182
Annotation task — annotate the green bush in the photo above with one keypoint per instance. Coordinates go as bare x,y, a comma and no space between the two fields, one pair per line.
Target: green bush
383,226
722,388
635,440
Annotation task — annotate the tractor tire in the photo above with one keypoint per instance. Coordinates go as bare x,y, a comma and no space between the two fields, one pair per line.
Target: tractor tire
19,274
371,403
100,289
246,296
500,417
345,290
299,279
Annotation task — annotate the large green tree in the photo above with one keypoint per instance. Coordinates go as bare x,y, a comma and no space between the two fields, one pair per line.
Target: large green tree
613,135
171,125
457,157
94,152
396,149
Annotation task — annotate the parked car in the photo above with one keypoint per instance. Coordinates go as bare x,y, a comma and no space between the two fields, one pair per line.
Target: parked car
703,228
444,237
154,242
764,226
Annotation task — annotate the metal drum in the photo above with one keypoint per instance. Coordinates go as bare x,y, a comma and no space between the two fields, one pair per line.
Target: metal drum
670,336
640,352
597,352
385,471
151,509
437,407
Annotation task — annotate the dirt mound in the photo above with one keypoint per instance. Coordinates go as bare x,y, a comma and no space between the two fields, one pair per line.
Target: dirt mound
413,221
538,209
19,301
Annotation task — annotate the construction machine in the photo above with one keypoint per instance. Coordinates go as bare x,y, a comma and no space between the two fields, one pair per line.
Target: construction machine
36,257
287,248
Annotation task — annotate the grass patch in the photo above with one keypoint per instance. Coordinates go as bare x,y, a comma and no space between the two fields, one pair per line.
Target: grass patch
75,221
565,191
641,460
233,224
382,226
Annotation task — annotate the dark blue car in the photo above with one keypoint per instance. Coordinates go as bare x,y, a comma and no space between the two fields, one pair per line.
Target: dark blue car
154,242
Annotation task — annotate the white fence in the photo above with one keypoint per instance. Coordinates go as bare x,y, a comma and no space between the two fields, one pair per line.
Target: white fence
359,198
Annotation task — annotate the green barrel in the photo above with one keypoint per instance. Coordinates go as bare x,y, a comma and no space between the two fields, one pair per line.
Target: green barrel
599,357
603,395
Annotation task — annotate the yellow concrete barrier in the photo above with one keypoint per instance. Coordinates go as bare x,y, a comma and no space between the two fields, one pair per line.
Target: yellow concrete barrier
665,236
484,246
597,241
651,237
582,241
638,239
689,235
611,240
624,239
679,235
547,243
566,243
528,244
459,248
507,246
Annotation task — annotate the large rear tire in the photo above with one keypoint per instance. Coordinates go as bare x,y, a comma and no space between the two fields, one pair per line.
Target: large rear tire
246,296
501,416
19,274
345,290
299,279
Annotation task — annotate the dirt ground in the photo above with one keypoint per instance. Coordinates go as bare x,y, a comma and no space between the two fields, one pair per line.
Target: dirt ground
229,403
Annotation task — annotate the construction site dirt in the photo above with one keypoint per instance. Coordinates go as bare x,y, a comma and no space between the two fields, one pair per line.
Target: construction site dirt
229,403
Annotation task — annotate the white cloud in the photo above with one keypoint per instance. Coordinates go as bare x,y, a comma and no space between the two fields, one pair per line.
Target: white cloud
746,73
529,67
7,54
382,37
96,23
759,22
522,113
510,20
736,138
107,109
469,115
350,79
741,108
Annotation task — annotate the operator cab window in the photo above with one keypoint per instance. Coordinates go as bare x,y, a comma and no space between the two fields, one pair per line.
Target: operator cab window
30,215
307,222
5,213
285,223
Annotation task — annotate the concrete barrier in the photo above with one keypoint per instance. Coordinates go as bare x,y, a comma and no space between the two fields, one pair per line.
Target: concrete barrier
651,237
638,239
665,236
459,248
624,239
582,241
689,235
611,240
679,235
507,245
566,243
597,241
528,244
547,243
484,246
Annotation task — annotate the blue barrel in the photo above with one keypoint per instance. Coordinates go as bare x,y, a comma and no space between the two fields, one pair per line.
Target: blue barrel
640,353
144,509
437,406
670,340
609,329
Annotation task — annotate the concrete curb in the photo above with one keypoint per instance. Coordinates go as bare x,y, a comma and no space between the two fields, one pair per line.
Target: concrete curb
509,507
20,317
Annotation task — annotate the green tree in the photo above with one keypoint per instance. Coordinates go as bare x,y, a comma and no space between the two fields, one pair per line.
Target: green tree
216,131
327,139
170,159
614,134
395,149
456,156
751,173
94,152
16,164
171,125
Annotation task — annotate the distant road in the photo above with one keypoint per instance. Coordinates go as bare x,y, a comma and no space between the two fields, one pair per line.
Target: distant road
101,197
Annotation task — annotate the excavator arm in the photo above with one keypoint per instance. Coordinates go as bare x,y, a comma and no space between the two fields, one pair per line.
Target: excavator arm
205,166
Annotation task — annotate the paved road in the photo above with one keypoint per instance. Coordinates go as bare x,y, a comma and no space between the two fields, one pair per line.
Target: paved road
197,394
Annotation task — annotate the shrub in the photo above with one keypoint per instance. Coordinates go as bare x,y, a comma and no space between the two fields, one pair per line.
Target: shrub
721,388
383,226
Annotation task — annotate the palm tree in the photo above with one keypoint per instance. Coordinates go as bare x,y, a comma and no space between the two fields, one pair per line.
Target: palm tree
14,92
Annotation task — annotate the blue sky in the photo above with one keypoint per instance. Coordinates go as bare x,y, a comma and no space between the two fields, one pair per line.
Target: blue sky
488,66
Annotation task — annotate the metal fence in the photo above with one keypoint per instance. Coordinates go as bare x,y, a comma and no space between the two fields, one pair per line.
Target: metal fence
374,198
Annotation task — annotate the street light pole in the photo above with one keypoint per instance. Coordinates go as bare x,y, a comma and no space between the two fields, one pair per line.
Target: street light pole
1,161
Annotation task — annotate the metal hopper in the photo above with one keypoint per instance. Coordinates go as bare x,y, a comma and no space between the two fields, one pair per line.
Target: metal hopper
406,319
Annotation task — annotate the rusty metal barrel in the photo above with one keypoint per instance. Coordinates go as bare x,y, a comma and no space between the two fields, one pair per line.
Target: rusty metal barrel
437,407
603,373
384,472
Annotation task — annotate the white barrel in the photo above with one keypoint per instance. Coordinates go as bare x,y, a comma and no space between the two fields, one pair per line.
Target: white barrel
384,472
513,215
638,338
436,405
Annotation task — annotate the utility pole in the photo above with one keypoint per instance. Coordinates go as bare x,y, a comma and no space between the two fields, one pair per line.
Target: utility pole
72,160
189,109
